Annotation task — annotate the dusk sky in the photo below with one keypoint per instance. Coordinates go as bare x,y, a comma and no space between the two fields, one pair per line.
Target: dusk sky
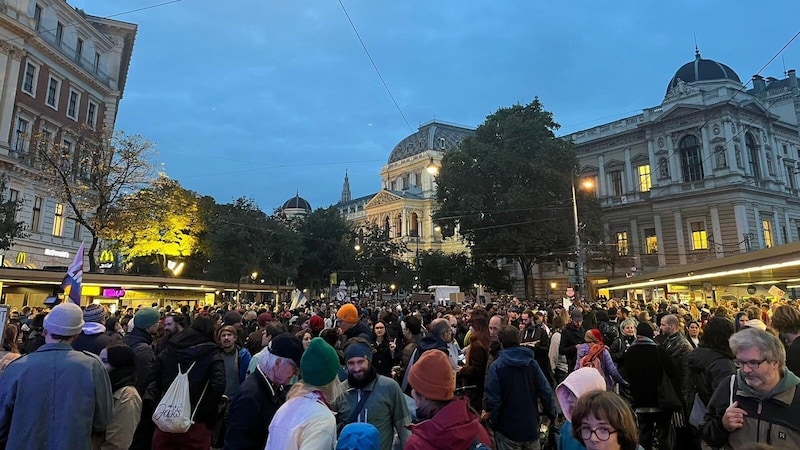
265,98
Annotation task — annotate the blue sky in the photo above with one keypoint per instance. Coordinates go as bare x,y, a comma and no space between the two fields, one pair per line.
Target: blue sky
265,98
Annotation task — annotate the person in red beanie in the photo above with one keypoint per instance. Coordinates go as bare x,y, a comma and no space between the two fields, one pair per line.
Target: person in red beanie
595,349
315,325
447,421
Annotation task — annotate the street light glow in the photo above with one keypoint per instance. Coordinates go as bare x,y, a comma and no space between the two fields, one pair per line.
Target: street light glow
587,184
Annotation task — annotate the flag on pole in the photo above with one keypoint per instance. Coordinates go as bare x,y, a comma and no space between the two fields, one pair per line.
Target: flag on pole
74,277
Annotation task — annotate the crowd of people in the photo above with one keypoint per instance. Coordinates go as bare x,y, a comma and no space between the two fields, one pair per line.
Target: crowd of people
606,374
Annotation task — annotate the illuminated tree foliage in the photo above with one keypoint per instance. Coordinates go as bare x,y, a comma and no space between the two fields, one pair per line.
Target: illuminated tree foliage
161,221
91,172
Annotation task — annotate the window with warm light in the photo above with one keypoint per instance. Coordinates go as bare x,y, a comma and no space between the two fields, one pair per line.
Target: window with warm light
766,226
645,182
650,241
58,220
622,243
699,236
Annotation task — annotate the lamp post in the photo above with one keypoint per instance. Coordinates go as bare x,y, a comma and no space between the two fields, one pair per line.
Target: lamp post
578,250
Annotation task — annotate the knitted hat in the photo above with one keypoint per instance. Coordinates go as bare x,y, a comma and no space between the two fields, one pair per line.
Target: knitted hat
145,318
644,329
348,313
120,355
320,363
432,376
357,350
593,335
232,318
65,319
94,313
359,436
316,323
263,319
288,346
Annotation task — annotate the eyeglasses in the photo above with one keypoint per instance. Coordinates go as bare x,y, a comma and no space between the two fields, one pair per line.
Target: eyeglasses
753,365
380,327
602,433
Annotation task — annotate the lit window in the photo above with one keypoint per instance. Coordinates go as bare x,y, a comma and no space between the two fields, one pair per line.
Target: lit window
58,220
644,178
622,243
37,213
699,236
650,241
766,225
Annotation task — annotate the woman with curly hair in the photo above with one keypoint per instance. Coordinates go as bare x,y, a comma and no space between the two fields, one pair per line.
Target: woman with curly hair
603,420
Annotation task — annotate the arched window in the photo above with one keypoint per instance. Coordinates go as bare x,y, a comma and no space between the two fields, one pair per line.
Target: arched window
752,155
398,226
691,159
413,225
386,226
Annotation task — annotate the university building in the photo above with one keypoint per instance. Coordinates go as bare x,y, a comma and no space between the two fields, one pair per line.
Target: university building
62,69
710,172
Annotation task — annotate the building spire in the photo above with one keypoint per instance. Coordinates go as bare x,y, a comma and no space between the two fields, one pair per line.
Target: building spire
346,196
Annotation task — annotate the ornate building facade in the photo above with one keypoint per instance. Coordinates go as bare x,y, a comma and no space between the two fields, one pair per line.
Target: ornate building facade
710,172
405,205
61,70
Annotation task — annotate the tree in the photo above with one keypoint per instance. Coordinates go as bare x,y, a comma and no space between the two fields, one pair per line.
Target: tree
10,228
507,189
327,240
379,257
437,267
92,173
158,222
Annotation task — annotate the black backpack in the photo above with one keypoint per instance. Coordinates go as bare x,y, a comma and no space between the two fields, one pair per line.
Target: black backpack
609,331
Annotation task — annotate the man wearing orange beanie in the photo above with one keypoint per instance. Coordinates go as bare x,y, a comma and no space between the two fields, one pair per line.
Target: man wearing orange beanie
347,321
448,421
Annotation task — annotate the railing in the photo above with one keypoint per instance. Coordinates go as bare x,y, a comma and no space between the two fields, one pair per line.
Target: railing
73,55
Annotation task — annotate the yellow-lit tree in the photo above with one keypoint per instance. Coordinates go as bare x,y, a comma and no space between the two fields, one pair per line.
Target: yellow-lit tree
160,222
91,170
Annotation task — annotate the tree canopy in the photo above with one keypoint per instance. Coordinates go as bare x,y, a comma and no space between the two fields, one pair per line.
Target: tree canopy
507,189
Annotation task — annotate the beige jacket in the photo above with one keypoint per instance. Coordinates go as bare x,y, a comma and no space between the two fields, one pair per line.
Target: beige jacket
125,417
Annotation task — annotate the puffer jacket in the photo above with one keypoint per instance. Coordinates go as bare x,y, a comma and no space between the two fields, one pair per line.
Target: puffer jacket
770,419
186,348
456,427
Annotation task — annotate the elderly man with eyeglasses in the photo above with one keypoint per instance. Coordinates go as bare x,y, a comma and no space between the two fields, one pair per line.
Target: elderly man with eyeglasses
760,402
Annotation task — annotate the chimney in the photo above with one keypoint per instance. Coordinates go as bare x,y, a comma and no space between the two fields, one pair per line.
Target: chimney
792,74
758,83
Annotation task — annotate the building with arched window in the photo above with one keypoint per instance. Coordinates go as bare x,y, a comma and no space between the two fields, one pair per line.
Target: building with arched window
405,205
710,172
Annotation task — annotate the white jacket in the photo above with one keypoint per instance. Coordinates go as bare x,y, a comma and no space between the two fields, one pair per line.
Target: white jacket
302,423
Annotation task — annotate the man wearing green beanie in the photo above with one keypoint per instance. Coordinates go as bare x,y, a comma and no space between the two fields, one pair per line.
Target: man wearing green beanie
372,398
306,419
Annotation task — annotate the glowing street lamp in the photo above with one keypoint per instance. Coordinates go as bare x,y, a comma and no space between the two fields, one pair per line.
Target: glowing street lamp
586,184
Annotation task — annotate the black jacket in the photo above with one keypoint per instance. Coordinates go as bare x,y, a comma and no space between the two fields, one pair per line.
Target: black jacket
142,344
188,347
94,343
708,368
383,357
359,330
571,336
251,411
646,363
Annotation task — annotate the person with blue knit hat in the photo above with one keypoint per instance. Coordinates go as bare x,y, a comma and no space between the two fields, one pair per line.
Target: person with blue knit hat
359,436
372,398
306,420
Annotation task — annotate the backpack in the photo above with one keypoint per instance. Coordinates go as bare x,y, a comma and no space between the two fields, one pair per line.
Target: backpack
592,359
174,413
609,331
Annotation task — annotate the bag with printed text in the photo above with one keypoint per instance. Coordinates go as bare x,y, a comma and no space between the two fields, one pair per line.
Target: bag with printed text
174,413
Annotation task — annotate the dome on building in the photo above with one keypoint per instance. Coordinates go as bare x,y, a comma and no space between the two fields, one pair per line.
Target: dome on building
430,136
702,70
297,202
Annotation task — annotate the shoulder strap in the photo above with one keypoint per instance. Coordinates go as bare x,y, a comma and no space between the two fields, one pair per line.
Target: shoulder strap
733,392
197,406
359,406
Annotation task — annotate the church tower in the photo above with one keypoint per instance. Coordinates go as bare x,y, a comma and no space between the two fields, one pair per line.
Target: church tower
346,197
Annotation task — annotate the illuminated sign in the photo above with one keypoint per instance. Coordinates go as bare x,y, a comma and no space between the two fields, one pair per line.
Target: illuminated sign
56,253
113,292
106,265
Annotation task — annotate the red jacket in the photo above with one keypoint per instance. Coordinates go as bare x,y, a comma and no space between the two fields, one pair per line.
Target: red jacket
454,427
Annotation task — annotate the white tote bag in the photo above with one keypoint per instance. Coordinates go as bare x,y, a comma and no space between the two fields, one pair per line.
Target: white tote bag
173,413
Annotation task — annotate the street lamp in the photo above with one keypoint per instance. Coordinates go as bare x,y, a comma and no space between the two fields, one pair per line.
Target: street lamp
579,251
432,168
